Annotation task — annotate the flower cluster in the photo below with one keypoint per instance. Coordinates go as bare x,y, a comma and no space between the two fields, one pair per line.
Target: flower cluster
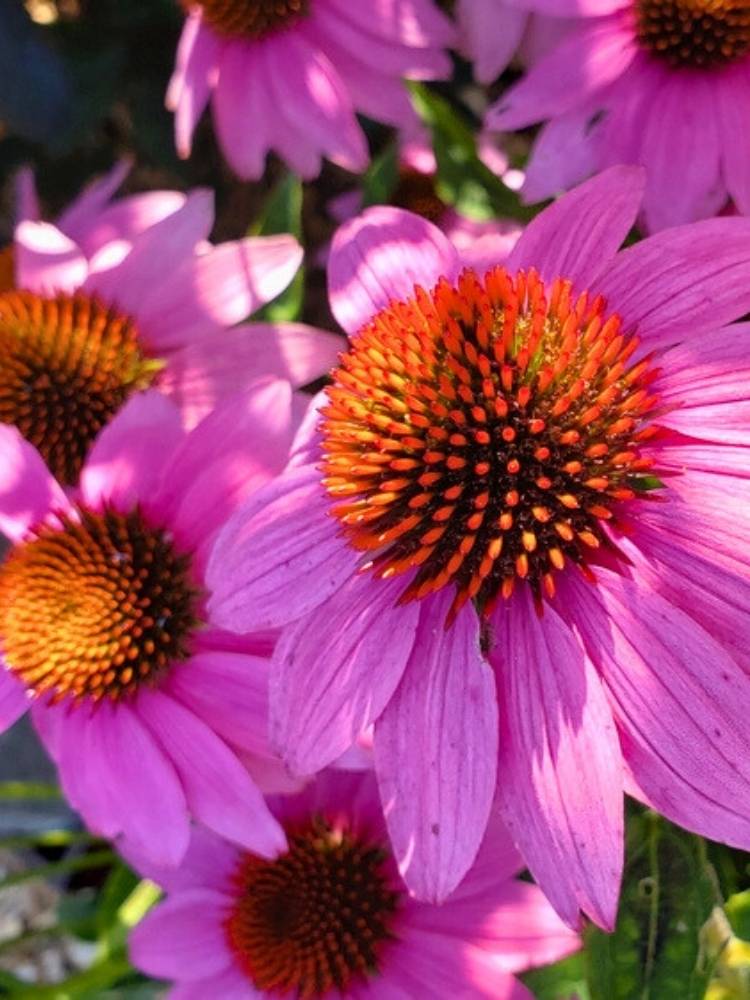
335,634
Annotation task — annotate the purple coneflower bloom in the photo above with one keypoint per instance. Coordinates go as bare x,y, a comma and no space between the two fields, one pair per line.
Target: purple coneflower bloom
520,543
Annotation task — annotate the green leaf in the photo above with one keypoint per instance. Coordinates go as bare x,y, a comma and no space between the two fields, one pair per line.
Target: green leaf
28,790
669,890
282,213
564,980
645,483
381,179
463,180
96,859
738,910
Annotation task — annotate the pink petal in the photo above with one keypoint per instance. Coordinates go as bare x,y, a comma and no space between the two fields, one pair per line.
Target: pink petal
127,459
586,60
579,235
436,753
184,937
210,862
237,448
229,985
680,147
683,282
25,197
198,57
175,239
564,153
681,704
733,123
336,669
127,219
271,550
243,94
380,256
128,785
559,776
706,380
491,33
411,23
88,206
218,289
28,492
229,692
510,920
46,260
321,107
14,698
219,791
199,375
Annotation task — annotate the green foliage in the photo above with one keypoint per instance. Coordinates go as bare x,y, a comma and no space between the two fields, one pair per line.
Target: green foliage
463,180
668,893
282,213
564,980
381,179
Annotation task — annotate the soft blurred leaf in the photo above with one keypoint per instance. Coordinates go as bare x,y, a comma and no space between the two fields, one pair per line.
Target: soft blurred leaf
119,885
564,980
463,180
738,910
668,892
730,954
282,213
381,179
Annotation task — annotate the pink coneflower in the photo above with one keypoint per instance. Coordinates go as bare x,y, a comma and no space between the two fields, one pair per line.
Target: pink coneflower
520,546
145,705
330,917
662,83
288,75
153,307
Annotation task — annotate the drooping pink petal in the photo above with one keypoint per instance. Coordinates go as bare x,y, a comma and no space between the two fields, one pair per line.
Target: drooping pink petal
14,699
127,459
683,282
681,705
491,33
559,774
243,93
380,256
217,289
411,23
237,448
199,375
733,123
436,753
28,491
210,862
88,206
128,785
586,60
564,153
579,235
183,937
130,282
218,789
46,260
196,69
680,146
127,219
336,669
321,108
229,691
269,551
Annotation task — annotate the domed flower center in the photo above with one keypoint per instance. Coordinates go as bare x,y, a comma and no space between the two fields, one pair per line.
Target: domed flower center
416,192
695,34
315,919
249,18
67,365
485,433
96,607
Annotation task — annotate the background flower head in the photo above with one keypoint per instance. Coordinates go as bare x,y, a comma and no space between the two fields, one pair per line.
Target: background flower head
330,916
535,572
151,712
144,300
627,86
299,71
